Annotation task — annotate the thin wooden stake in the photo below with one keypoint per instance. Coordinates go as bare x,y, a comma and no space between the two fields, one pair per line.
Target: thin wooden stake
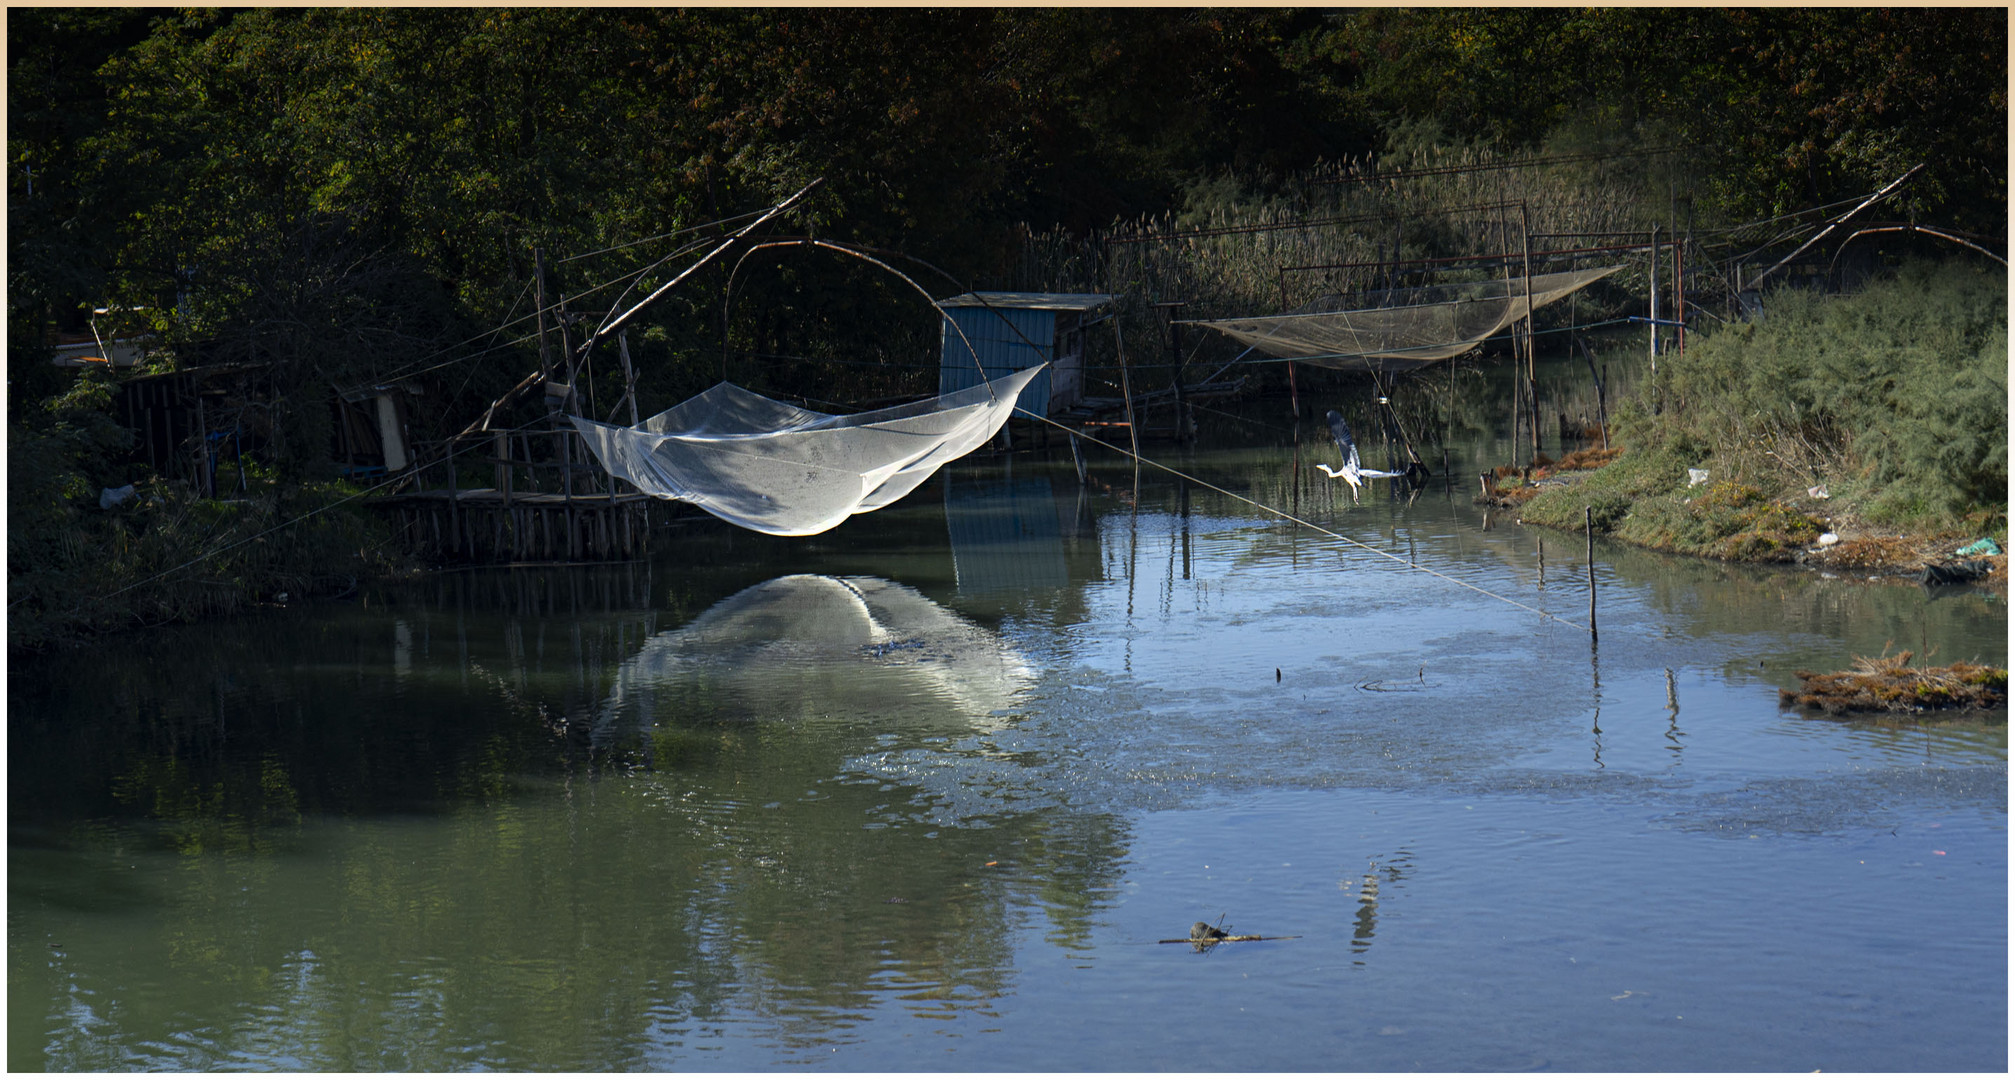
1126,390
539,300
1588,525
1531,363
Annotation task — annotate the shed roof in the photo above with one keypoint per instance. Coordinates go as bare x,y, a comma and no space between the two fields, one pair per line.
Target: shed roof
1029,301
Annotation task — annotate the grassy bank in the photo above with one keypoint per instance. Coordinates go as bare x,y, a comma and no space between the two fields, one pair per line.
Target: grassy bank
1878,414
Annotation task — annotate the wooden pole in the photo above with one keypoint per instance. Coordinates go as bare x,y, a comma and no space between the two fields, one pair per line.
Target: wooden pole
1588,526
1168,309
1449,433
1601,404
539,298
629,374
1679,290
204,485
454,503
567,407
1654,304
1517,385
501,446
1531,363
1126,390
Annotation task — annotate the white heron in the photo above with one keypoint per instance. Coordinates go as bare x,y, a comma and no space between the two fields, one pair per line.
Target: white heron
1352,473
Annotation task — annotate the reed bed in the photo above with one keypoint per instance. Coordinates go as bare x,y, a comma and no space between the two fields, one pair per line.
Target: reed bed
1358,226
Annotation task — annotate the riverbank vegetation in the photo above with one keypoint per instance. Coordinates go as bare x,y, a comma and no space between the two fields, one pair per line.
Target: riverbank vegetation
339,198
1885,409
81,563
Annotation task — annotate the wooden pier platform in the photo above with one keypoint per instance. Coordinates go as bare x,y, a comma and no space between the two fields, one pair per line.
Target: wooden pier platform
485,525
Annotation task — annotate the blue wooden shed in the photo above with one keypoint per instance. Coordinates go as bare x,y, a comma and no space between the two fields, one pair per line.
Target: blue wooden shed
1011,331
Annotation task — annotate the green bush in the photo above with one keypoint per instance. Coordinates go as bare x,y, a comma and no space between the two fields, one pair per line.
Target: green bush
76,569
1611,492
1895,397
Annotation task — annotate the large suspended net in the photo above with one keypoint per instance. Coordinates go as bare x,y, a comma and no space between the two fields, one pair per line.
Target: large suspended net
1415,328
777,468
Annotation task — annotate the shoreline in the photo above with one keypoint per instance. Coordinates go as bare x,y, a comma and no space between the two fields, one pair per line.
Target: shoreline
1857,549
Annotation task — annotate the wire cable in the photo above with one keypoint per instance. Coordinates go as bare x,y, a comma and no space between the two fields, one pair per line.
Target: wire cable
663,236
1284,515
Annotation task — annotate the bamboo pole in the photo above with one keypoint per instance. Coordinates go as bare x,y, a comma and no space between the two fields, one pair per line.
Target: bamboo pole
1836,223
544,363
617,323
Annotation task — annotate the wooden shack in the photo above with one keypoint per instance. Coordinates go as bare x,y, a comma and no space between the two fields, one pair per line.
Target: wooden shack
187,423
1009,332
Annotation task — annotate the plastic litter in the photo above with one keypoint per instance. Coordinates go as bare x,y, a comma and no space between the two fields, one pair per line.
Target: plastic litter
1955,573
1696,477
111,497
1983,546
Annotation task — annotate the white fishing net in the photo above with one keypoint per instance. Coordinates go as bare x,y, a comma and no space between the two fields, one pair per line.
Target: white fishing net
777,468
1419,327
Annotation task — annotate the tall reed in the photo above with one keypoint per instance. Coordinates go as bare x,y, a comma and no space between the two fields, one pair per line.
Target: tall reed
1355,226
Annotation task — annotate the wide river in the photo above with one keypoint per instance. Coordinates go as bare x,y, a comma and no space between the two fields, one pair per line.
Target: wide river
934,790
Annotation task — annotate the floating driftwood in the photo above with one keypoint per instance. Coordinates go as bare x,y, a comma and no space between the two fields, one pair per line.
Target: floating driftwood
1888,684
1204,935
1227,937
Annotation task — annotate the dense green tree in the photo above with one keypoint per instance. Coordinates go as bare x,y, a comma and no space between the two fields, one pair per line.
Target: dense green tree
357,193
61,225
1837,101
1789,107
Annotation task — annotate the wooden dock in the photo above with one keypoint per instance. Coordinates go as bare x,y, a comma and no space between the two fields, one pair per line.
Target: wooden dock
485,525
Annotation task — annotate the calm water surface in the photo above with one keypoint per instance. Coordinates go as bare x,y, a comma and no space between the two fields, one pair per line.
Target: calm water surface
928,791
